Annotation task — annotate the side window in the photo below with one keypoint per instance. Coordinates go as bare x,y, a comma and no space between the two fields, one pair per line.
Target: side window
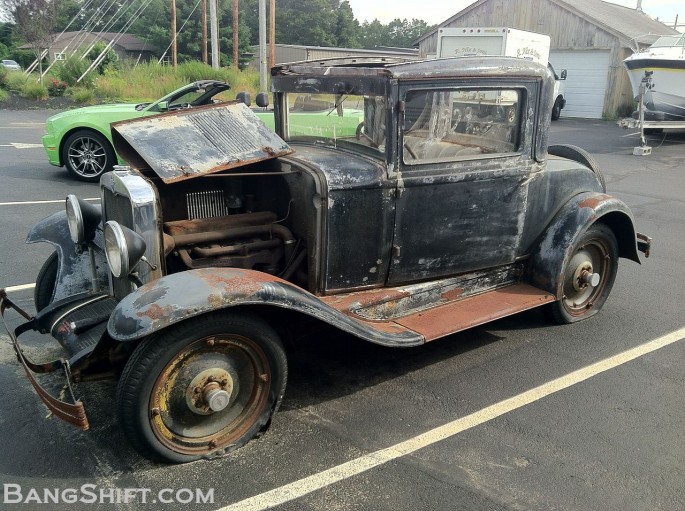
450,125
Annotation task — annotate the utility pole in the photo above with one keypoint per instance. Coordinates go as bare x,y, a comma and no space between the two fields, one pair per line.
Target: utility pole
236,62
214,27
174,54
272,33
262,45
204,31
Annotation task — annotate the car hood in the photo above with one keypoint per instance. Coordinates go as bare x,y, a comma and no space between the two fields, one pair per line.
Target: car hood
115,108
193,142
342,169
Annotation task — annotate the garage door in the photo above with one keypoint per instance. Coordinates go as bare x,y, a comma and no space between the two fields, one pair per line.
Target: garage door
586,81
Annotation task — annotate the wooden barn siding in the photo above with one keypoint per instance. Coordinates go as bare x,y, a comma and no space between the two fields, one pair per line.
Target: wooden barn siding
566,30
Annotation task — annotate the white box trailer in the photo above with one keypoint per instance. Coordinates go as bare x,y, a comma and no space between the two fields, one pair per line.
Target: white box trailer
509,42
502,41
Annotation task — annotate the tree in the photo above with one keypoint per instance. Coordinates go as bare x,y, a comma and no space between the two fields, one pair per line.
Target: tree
35,22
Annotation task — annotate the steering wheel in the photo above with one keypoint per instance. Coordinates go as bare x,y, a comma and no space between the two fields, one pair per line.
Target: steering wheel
359,133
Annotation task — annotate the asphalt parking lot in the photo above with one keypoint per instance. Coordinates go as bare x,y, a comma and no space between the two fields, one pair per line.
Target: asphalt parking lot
364,427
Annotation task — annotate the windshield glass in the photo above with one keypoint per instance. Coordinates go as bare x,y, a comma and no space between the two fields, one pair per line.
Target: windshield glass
669,40
331,119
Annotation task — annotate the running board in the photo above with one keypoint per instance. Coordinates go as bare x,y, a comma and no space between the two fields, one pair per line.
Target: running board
461,313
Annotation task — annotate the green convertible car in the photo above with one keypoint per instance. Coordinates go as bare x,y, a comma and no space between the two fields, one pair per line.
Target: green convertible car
81,139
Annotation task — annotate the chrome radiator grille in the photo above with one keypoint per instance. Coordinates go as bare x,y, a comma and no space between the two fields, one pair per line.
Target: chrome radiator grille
206,204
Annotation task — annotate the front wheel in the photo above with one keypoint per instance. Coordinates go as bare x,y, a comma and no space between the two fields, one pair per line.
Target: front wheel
588,276
201,388
87,155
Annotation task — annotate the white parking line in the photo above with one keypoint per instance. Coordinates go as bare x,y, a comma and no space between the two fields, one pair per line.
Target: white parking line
356,466
26,203
20,287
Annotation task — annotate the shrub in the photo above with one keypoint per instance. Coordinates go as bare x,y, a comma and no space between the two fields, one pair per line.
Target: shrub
33,90
84,96
71,69
56,88
3,78
16,81
3,96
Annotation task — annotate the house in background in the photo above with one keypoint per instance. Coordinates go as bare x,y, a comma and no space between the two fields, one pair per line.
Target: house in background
126,46
589,38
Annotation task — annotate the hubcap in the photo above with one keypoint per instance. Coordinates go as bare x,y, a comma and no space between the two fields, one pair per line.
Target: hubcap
584,278
210,394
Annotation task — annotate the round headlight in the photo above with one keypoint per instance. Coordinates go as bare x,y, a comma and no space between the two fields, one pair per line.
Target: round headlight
82,218
123,248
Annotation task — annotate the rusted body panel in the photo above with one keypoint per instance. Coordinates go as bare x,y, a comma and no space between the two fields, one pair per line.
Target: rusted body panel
184,144
556,245
180,296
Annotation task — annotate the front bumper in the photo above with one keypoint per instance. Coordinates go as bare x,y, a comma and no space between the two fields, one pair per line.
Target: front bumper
74,412
644,243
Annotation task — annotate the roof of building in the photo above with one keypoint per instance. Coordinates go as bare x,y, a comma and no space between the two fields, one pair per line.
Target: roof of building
624,22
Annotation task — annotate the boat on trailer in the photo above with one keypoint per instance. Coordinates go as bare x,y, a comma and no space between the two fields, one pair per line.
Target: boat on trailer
661,68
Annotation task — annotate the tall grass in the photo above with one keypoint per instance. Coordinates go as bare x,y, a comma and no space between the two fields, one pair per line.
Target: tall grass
3,95
150,81
16,81
33,90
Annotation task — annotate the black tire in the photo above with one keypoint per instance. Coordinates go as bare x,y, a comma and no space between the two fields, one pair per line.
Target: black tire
45,282
575,153
595,252
87,155
162,394
556,110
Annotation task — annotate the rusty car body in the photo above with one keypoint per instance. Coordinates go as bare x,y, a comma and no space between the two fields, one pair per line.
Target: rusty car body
445,209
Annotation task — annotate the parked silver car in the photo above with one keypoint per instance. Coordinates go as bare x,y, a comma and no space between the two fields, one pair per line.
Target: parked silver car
11,65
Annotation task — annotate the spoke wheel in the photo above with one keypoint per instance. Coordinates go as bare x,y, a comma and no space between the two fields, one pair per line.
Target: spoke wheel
205,388
588,276
87,155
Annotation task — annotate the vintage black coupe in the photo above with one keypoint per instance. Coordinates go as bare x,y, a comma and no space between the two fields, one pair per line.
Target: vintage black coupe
444,210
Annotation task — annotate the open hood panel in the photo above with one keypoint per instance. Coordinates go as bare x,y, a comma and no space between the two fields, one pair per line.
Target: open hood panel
196,141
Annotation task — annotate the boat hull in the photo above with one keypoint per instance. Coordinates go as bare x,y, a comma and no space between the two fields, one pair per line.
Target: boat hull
666,92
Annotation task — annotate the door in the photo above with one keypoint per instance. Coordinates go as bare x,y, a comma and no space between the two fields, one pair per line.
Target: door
461,199
586,82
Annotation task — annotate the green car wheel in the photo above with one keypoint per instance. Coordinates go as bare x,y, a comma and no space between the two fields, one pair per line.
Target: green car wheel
87,155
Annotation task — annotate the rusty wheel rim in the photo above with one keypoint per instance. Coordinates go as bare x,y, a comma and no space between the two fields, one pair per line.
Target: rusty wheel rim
179,413
592,258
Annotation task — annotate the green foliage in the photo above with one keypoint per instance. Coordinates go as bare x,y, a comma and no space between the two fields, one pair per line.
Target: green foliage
109,60
83,96
71,69
3,77
3,96
56,88
16,81
33,90
398,33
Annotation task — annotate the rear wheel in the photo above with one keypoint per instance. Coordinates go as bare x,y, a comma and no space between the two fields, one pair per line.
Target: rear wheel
588,276
201,388
575,153
87,155
45,282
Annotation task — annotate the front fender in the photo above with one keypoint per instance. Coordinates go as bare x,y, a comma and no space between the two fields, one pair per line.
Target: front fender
174,298
74,273
557,242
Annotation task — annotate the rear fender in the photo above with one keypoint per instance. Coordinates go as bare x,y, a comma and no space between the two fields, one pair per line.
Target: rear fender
560,237
74,273
180,296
